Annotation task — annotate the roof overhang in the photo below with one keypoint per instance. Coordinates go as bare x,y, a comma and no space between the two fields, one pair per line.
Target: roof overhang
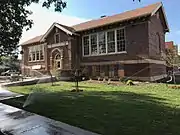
165,17
58,26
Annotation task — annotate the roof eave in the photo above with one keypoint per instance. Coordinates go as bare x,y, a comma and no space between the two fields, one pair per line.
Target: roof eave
145,15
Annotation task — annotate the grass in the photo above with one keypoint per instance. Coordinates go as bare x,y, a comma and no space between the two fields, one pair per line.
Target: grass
146,109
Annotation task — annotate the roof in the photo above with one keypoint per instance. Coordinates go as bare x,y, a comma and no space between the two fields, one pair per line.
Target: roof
169,45
128,15
145,11
33,40
67,27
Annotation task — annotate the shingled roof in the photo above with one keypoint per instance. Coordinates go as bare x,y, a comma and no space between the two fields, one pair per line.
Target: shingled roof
148,10
133,14
33,40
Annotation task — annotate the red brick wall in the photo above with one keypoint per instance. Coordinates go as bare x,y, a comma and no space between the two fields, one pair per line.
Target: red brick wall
156,43
140,70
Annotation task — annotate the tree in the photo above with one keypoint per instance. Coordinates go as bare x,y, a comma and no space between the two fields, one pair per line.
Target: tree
14,17
9,62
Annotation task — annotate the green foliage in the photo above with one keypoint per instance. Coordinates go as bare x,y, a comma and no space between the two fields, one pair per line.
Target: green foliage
14,18
9,62
123,79
129,82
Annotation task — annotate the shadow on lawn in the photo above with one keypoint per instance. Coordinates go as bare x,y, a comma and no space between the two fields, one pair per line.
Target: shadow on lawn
108,113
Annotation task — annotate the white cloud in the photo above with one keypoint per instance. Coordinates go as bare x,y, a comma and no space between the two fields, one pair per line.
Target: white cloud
44,18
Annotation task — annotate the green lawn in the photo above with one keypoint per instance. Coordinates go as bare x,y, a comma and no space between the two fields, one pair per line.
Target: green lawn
146,109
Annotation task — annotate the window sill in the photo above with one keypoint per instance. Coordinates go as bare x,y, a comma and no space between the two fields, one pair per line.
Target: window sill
36,61
104,54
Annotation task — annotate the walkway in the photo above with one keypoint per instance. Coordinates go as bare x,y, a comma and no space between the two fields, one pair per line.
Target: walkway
4,94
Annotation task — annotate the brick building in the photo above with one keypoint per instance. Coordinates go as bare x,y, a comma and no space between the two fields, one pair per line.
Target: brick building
128,44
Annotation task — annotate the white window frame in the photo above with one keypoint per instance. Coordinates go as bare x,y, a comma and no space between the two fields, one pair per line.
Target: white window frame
105,42
96,43
83,45
98,54
35,47
124,39
115,42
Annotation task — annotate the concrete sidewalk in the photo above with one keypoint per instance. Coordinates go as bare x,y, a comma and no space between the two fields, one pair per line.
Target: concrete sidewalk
14,121
5,94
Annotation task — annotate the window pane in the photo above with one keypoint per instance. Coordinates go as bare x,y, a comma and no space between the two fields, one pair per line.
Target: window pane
110,36
94,44
111,41
30,54
121,44
58,64
37,55
111,47
86,45
41,55
102,42
34,56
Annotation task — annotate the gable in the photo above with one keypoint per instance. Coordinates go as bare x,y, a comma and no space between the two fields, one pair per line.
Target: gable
50,38
162,16
65,29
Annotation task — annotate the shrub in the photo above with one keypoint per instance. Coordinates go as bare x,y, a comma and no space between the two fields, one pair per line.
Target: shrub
129,82
123,79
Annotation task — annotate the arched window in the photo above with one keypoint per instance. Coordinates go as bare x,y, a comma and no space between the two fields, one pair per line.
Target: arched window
57,61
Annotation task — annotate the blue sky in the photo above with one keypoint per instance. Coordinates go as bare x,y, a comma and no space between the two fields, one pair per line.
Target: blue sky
81,10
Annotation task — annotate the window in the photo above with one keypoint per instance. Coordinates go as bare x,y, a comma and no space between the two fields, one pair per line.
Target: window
111,70
94,44
120,40
109,42
41,52
58,61
30,56
34,56
57,38
41,55
86,45
96,70
102,42
36,53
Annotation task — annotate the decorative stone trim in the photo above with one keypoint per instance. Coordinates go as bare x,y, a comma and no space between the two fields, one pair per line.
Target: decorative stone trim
58,44
125,62
149,78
